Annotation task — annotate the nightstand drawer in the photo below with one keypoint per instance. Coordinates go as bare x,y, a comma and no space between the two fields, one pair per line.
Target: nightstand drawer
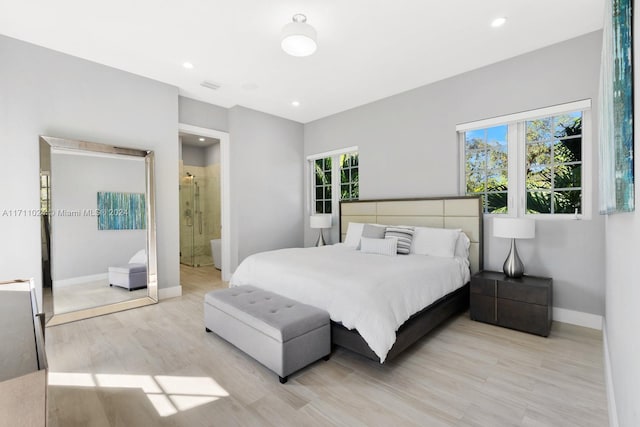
483,286
523,293
523,303
525,317
483,308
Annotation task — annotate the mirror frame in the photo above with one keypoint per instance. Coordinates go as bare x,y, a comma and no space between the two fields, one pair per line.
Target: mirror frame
49,143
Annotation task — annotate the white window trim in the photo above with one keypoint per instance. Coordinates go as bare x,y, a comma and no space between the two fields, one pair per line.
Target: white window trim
332,153
335,177
516,172
554,110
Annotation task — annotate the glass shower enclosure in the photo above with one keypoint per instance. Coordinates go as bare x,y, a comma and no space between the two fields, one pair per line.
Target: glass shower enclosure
195,249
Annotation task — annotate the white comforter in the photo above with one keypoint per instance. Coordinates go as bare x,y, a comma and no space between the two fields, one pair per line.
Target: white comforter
374,294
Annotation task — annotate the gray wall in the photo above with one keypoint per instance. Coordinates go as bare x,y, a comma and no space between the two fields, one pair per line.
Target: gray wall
43,92
266,182
212,154
623,294
79,248
193,156
198,113
408,147
200,156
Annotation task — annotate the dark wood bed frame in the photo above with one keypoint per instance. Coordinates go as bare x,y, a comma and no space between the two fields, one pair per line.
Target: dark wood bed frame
411,331
421,323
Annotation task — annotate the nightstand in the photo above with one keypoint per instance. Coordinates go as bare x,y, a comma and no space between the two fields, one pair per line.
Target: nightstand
524,303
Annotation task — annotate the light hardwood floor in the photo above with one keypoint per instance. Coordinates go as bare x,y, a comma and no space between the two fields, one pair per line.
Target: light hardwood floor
156,366
91,294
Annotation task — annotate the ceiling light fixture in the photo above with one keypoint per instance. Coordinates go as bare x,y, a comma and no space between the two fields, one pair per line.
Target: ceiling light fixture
295,103
298,37
201,139
498,22
188,65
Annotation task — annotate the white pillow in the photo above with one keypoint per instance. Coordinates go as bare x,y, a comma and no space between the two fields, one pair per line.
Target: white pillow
462,246
387,247
434,241
139,258
354,232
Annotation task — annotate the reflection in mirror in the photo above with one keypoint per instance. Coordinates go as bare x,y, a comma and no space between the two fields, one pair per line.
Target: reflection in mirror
98,230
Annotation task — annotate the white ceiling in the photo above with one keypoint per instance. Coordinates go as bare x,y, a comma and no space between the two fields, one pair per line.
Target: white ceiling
367,49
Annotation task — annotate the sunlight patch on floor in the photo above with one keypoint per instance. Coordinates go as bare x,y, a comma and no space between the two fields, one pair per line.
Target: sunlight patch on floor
168,394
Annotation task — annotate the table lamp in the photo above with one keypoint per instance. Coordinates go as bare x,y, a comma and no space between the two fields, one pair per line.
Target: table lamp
320,221
514,228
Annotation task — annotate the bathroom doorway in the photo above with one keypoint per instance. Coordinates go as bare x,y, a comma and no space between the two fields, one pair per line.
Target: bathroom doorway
200,201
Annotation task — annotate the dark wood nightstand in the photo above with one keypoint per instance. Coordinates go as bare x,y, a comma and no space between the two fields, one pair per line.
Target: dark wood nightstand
524,304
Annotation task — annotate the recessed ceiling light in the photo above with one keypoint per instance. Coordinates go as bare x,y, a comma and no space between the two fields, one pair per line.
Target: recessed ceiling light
201,139
188,65
498,22
295,103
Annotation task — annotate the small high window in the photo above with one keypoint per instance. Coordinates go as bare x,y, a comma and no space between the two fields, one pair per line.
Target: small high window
334,171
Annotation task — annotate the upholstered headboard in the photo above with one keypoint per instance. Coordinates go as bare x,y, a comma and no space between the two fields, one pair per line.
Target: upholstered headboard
443,212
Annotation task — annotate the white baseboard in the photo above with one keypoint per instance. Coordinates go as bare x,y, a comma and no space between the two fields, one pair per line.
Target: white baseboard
172,292
79,280
611,398
579,318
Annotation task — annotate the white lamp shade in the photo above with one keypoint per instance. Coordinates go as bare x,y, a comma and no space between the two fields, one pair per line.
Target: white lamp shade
299,39
320,221
514,228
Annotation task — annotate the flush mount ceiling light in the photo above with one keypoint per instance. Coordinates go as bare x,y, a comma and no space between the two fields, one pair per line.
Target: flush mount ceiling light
498,22
298,37
295,103
201,139
187,65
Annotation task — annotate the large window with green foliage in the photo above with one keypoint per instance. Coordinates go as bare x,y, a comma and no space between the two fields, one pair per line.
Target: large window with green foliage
486,166
531,164
336,171
554,164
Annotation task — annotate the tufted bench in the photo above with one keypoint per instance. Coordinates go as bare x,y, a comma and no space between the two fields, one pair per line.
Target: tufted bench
282,334
130,276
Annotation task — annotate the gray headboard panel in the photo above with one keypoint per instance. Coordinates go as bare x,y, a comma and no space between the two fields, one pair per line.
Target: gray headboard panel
442,212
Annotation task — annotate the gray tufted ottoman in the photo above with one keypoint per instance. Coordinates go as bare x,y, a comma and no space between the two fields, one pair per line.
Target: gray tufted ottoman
282,334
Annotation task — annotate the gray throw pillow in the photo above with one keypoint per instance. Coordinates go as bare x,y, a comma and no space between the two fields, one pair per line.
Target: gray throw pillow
372,232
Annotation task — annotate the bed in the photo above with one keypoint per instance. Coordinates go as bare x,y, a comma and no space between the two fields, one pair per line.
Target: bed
379,305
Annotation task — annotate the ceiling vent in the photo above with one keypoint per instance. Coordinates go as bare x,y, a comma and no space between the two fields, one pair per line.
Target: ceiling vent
210,85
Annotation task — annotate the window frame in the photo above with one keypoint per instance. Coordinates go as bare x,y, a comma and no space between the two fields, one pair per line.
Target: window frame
336,184
516,158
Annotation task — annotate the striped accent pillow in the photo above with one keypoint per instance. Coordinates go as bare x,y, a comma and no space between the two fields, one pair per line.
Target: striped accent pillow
404,236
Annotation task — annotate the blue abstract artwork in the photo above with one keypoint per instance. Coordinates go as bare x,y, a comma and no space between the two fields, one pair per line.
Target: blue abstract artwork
616,130
121,211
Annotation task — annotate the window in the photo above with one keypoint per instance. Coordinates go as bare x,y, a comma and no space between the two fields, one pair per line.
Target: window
335,170
486,167
349,177
323,185
529,163
554,164
45,193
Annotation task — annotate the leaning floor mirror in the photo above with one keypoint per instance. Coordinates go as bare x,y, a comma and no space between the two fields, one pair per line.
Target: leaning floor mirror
98,229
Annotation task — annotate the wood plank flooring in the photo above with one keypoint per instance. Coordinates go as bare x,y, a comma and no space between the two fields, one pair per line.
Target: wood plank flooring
156,366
